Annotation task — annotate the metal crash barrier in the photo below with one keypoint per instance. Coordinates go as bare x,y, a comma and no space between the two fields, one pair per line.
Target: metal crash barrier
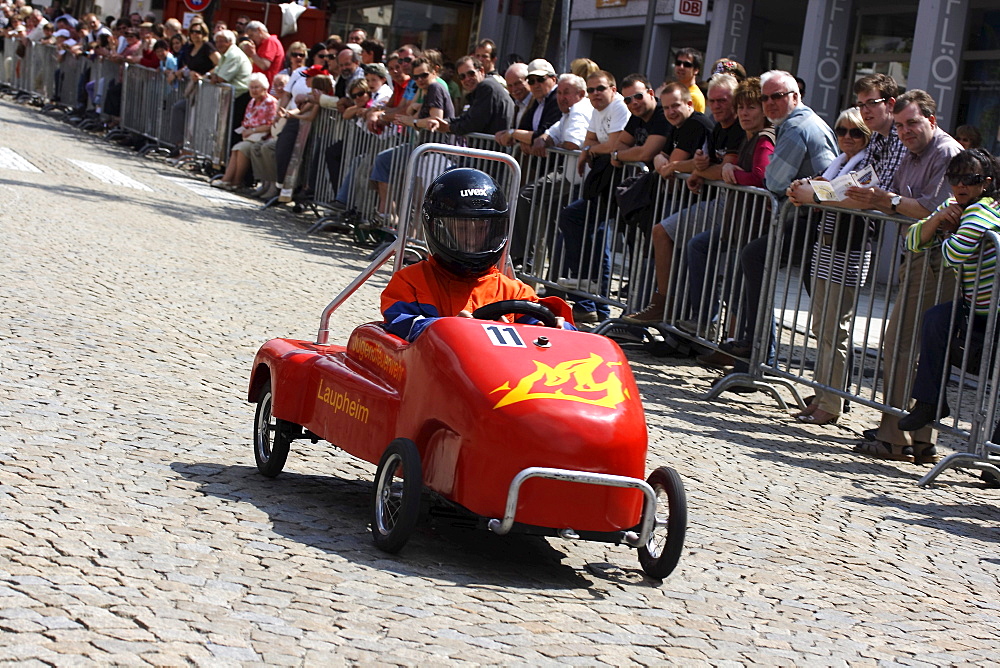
208,125
151,101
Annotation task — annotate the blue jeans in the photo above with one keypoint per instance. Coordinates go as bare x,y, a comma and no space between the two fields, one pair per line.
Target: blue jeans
581,233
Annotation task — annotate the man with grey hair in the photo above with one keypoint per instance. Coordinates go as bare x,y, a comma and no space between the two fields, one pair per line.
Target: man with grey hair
234,68
349,60
264,50
567,133
571,128
516,77
172,27
804,145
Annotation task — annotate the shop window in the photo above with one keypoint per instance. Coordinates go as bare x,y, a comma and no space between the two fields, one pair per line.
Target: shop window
979,96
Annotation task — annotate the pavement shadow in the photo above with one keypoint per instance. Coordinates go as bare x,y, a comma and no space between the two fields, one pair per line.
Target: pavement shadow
955,518
331,514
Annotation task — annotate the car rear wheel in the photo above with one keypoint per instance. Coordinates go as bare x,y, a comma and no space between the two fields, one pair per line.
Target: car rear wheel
662,551
396,498
271,437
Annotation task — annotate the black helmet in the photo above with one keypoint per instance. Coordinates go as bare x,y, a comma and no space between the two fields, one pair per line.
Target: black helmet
465,221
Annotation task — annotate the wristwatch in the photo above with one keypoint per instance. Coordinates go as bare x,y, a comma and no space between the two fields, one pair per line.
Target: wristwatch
614,155
895,200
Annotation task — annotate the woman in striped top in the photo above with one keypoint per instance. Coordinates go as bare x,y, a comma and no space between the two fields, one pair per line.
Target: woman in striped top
840,263
959,227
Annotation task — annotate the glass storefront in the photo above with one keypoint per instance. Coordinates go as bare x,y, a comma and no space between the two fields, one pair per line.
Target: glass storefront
979,99
883,41
442,25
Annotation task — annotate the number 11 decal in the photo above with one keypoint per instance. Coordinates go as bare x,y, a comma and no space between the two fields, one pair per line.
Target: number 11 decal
504,335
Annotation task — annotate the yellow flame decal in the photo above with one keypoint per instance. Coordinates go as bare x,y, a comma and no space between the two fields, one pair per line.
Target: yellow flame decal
574,375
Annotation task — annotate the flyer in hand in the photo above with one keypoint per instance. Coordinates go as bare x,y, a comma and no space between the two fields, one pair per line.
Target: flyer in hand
836,190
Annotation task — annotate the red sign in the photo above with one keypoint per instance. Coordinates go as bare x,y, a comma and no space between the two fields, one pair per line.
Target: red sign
690,11
197,5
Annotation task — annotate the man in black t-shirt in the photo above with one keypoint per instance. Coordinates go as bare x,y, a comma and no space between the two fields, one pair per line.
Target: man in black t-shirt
647,129
689,131
644,136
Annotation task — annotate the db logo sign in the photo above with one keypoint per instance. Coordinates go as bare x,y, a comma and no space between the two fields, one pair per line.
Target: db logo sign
201,5
691,7
691,11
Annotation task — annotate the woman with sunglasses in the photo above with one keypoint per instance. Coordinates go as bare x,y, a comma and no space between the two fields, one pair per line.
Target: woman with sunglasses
361,94
295,57
958,227
840,262
197,58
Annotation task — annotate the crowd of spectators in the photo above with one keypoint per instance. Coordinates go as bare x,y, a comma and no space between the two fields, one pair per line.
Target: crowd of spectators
724,126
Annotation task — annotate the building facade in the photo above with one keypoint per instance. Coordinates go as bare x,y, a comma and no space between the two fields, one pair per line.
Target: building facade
951,48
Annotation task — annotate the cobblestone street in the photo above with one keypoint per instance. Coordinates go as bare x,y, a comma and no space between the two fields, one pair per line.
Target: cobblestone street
135,529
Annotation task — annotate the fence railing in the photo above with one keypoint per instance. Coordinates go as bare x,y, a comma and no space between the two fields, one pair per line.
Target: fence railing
151,102
800,285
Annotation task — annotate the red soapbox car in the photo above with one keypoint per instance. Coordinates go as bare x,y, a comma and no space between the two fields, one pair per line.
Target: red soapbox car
516,427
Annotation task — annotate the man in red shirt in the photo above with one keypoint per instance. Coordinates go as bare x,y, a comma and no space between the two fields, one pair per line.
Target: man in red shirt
264,50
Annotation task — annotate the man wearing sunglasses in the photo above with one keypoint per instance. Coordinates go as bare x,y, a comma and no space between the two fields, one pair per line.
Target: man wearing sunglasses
490,107
543,110
405,56
687,66
584,269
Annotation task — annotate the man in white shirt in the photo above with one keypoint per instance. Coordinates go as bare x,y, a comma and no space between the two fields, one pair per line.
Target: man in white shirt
589,270
568,133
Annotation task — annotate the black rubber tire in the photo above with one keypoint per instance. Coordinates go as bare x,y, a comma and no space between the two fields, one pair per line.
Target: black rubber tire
395,501
271,437
516,306
659,556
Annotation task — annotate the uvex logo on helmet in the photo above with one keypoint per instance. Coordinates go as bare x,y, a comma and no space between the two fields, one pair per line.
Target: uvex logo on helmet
469,192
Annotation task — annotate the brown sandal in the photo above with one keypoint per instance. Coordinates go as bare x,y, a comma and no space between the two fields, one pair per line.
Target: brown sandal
925,453
883,450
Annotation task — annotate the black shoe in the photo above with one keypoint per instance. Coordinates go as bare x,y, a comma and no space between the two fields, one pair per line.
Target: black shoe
922,415
870,434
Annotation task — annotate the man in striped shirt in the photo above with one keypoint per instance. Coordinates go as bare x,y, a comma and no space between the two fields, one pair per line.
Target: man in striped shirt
958,227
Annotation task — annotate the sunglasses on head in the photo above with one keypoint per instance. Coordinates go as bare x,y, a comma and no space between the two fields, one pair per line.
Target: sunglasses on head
635,98
776,96
965,179
532,80
683,63
855,133
597,89
422,75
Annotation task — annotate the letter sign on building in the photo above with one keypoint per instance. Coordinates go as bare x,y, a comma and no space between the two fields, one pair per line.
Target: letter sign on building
691,11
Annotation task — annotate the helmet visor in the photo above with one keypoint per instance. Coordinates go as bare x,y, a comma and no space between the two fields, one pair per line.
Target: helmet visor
471,235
